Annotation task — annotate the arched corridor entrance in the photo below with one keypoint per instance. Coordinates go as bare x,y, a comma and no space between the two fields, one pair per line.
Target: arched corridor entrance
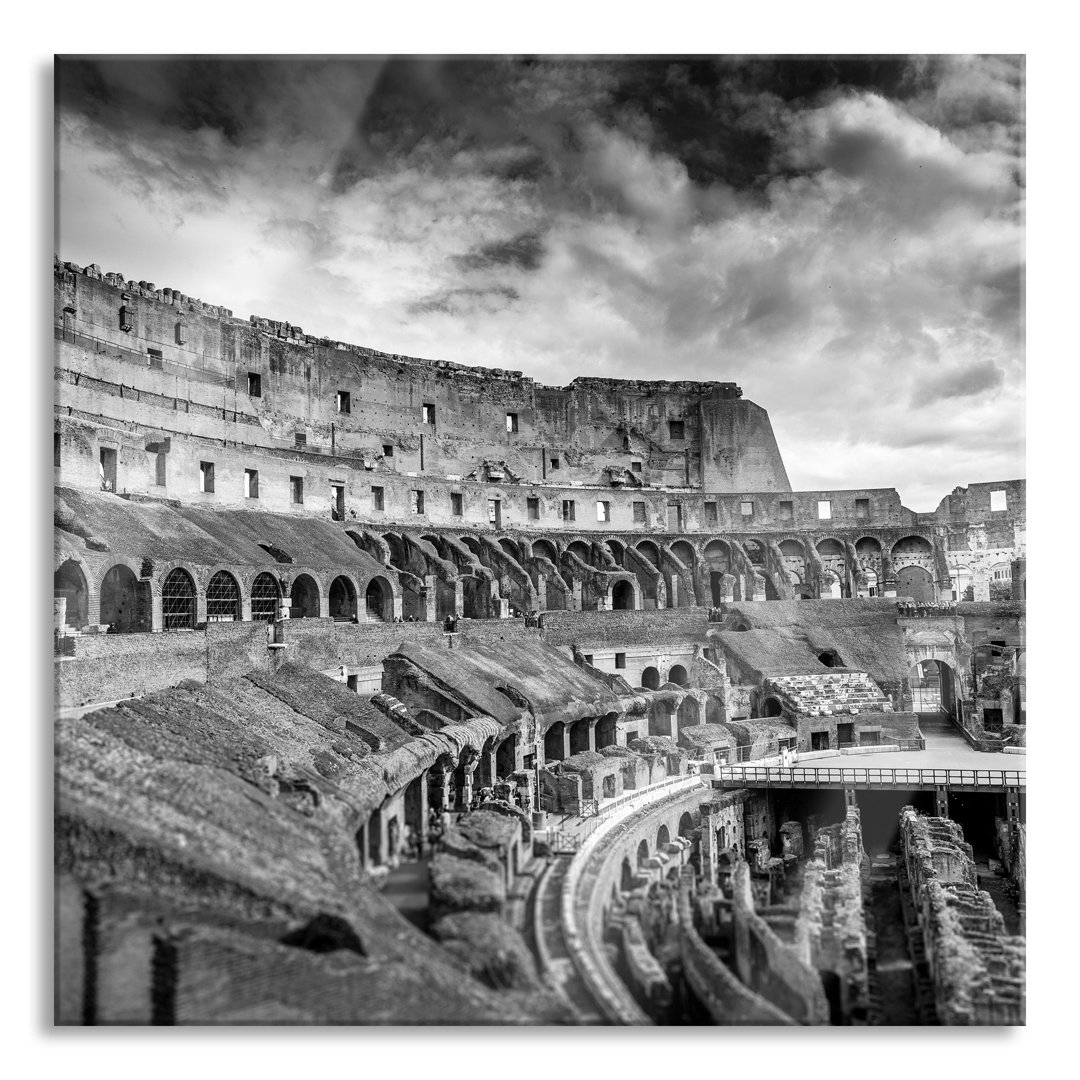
378,602
223,598
677,675
933,687
265,595
69,582
917,583
120,601
342,599
650,679
622,596
305,598
178,601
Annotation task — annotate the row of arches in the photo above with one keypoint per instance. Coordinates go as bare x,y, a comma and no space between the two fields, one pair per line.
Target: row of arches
125,601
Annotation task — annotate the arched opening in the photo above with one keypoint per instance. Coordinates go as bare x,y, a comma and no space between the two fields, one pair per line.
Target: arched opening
622,596
642,852
178,601
792,549
544,549
506,757
871,582
511,549
754,552
911,545
265,595
581,550
553,742
678,675
660,718
650,679
414,806
718,555
579,736
485,776
223,598
684,553
618,552
830,549
662,837
716,587
342,599
689,712
686,825
867,546
830,586
933,687
606,731
305,598
830,658
379,601
626,876
69,584
649,551
772,707
120,600
917,583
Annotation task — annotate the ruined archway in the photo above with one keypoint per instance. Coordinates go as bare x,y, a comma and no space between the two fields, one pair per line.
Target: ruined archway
69,583
643,852
379,600
663,837
579,736
917,583
650,679
771,707
686,825
120,601
305,598
678,676
342,599
622,596
553,742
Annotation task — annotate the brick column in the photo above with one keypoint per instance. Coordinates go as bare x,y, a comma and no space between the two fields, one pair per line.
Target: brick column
430,598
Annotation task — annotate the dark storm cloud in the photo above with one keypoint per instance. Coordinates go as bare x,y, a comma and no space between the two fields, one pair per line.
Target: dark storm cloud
843,237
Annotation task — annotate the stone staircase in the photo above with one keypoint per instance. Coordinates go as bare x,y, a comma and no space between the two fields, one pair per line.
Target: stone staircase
830,694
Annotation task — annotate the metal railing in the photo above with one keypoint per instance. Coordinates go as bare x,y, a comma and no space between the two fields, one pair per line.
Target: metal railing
845,777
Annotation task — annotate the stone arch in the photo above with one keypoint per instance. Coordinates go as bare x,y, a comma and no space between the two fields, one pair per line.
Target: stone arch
179,602
623,596
755,551
684,552
511,548
553,742
771,706
649,551
869,546
650,678
831,586
686,824
343,598
607,731
545,549
643,852
306,597
582,550
579,736
689,712
933,687
830,548
379,600
223,599
626,876
265,596
618,551
677,675
71,583
916,582
506,756
911,545
663,837
792,549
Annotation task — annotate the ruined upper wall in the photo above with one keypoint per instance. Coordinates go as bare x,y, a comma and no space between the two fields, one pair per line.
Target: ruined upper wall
429,416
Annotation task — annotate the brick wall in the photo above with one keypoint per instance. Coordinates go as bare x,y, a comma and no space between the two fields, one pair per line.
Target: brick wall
670,625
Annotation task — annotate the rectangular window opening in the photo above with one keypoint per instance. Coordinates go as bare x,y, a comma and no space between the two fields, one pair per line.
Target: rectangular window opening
251,483
301,440
677,429
337,502
296,486
710,513
388,450
554,463
428,413
159,468
377,501
254,384
620,659
416,501
206,476
787,511
56,449
603,511
344,401
533,509
746,508
862,509
511,423
456,505
154,358
998,500
568,510
495,513
635,466
639,514
824,509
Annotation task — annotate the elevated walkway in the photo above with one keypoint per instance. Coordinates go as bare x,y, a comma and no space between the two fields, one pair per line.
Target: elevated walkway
929,779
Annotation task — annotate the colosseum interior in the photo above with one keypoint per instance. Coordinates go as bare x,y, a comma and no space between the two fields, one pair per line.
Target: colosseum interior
395,691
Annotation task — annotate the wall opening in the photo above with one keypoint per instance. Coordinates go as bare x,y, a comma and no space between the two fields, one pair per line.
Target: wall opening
622,599
223,598
178,601
342,599
265,594
305,598
650,679
69,582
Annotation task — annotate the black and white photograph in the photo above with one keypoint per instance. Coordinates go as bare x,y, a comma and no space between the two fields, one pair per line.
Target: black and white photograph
539,540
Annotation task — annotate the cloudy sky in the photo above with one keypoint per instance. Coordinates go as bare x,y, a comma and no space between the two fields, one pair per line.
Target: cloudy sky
843,238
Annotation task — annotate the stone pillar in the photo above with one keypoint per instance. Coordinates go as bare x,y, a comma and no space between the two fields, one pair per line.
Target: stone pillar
541,592
849,797
441,778
397,608
602,603
592,734
708,843
673,591
576,595
200,606
324,604
465,792
59,613
431,595
459,598
566,741
245,608
157,620
941,800
504,608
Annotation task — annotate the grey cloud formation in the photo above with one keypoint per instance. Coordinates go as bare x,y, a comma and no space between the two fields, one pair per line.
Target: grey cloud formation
843,237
